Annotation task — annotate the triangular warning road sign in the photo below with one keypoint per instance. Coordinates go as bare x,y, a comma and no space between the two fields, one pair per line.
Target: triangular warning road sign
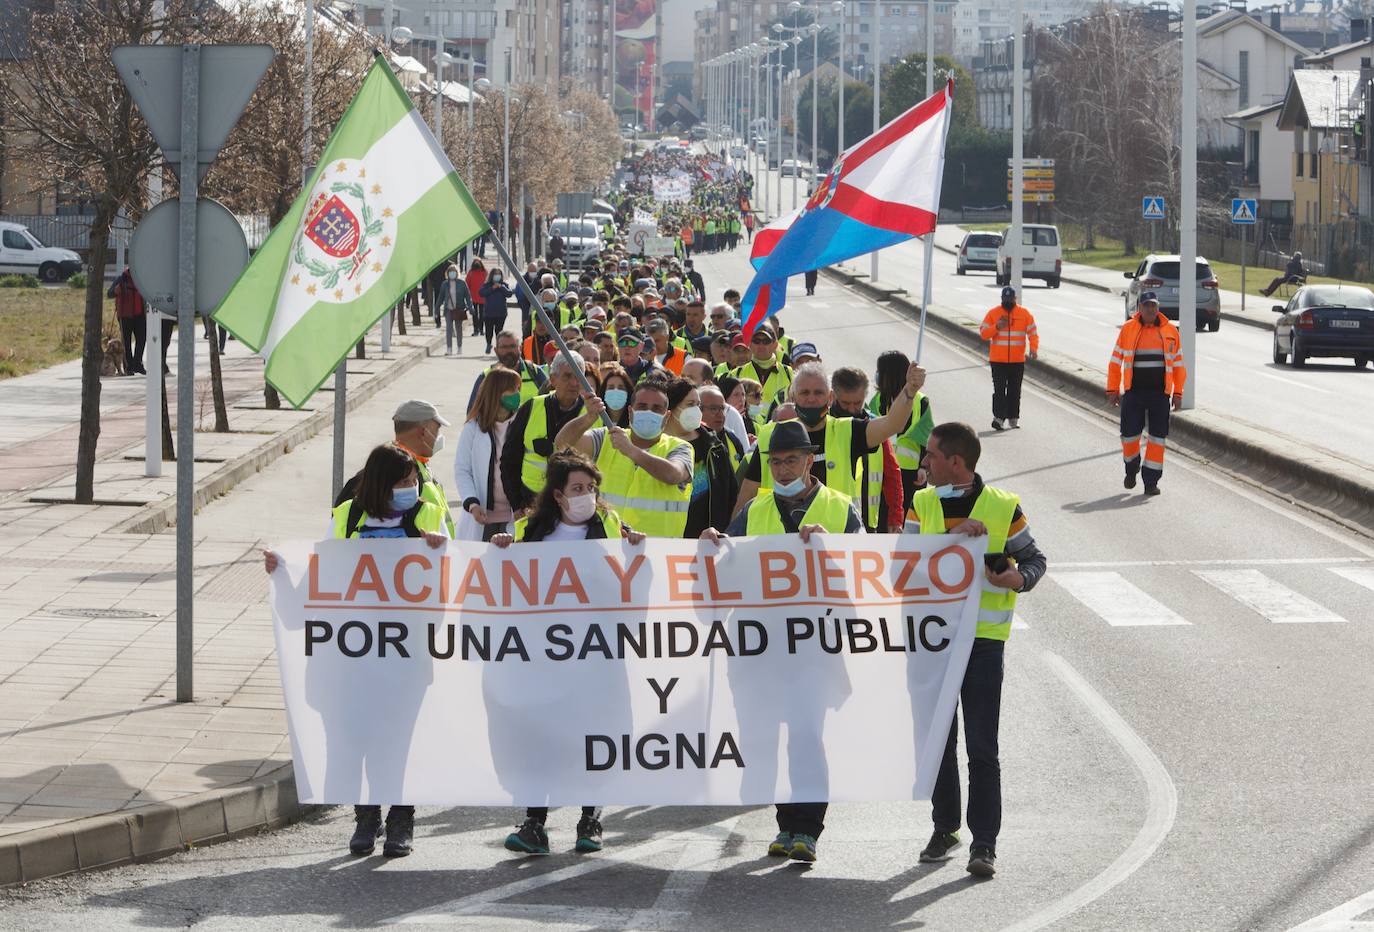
1242,211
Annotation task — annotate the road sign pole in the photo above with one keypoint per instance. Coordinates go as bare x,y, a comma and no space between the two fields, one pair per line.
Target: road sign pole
1187,227
1018,166
1242,267
189,180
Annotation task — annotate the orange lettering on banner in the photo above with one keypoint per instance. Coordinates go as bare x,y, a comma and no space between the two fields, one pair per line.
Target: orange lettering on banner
626,575
679,572
811,573
909,562
445,568
714,586
399,577
529,588
317,594
868,568
965,561
366,577
831,571
565,579
787,570
475,583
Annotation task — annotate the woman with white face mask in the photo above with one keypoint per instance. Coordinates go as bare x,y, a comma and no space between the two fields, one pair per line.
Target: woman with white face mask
569,508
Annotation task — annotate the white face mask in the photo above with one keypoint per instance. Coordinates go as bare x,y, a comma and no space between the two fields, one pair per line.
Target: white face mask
438,444
690,418
579,508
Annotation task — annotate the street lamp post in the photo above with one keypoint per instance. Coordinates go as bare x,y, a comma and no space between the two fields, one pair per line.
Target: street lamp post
838,7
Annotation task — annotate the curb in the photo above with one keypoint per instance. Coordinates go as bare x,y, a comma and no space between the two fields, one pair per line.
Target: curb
156,518
152,831
1333,487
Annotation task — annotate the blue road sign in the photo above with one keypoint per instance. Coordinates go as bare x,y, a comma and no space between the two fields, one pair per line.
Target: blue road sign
1152,208
1244,210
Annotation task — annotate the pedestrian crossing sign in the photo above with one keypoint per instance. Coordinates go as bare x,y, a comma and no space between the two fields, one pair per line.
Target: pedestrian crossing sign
1152,208
1243,210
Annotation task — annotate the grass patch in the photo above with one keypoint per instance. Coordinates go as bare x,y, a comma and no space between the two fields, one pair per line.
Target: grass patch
41,327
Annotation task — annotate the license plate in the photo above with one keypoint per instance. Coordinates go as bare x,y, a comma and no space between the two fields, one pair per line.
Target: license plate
1348,324
1171,292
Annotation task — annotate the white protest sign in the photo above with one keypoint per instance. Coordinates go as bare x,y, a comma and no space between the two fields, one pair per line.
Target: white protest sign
668,188
638,233
600,672
658,246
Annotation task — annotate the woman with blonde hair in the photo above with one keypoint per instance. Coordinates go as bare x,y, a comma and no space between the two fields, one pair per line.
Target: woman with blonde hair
476,469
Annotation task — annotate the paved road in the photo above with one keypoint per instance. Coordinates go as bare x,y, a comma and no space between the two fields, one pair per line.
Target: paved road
1198,762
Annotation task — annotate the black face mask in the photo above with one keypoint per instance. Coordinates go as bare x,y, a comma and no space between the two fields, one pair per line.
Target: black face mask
837,411
1008,303
810,416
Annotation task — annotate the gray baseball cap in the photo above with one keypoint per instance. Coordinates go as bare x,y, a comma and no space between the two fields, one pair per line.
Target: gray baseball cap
416,411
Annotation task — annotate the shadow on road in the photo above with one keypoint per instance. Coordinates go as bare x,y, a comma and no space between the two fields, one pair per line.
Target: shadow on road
1110,503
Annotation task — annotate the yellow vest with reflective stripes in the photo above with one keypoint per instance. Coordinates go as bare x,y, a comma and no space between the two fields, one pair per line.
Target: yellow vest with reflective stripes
428,518
829,509
610,523
774,387
871,475
432,491
528,387
840,474
995,508
534,466
907,448
651,507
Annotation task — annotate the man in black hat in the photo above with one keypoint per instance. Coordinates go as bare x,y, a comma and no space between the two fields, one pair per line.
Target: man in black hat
796,504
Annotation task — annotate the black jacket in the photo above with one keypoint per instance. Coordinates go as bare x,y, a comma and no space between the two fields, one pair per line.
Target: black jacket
712,507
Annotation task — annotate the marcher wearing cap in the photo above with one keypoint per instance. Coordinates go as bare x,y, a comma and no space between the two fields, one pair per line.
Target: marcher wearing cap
1007,328
418,427
803,353
796,504
1145,377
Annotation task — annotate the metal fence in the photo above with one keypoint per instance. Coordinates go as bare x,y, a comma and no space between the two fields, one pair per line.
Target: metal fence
73,231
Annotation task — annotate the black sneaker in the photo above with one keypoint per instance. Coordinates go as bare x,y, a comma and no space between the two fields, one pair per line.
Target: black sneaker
588,835
939,847
400,831
529,837
997,424
1151,490
1130,480
367,831
982,861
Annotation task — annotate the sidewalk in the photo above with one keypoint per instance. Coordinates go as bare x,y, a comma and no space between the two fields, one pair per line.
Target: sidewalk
98,764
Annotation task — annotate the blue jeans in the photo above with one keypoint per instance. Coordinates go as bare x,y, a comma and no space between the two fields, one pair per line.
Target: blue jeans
981,698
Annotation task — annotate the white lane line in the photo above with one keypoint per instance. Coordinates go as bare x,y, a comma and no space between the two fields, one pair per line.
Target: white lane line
1267,597
1160,811
1287,381
488,902
1259,561
1359,575
1118,602
1342,918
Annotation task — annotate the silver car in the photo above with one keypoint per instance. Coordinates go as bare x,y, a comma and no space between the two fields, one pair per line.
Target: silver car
1160,274
978,251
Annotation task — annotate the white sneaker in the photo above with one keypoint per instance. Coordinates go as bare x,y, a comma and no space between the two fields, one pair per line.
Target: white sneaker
1015,423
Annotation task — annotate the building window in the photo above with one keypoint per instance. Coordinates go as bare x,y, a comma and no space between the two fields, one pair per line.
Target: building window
1298,172
1243,75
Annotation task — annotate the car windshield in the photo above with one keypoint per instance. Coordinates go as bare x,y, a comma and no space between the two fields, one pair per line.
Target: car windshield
1169,271
35,240
984,240
1338,296
566,228
1039,236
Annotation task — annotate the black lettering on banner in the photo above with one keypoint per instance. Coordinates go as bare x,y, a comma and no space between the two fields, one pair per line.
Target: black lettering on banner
861,639
744,628
660,758
726,749
798,629
512,643
434,649
594,640
392,634
657,751
926,642
674,648
821,629
475,643
887,638
662,693
366,647
317,632
718,640
560,637
604,741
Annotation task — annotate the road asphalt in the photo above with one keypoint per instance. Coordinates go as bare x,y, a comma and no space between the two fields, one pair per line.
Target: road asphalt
1184,738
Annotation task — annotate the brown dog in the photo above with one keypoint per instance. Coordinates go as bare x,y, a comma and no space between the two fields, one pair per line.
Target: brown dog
112,359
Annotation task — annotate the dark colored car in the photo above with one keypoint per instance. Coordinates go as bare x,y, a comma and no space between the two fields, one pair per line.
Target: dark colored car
1325,321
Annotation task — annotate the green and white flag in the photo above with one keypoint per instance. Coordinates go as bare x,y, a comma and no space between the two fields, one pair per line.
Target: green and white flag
382,209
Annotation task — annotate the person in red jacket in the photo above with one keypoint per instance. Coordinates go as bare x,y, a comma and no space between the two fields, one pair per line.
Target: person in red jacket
132,315
1007,328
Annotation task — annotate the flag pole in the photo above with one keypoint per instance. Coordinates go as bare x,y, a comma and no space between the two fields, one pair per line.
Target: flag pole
579,365
930,240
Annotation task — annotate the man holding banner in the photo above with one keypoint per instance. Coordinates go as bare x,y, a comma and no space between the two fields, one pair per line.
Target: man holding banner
957,502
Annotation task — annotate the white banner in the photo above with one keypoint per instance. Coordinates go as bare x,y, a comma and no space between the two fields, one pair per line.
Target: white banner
604,673
672,189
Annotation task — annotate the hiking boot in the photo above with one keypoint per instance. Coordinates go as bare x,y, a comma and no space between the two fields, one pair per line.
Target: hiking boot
588,835
939,847
803,848
400,831
529,837
367,830
781,845
1130,480
982,861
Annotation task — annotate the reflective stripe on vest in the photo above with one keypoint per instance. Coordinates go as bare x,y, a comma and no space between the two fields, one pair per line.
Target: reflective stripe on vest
534,466
647,505
610,525
839,438
995,508
432,491
905,446
528,387
829,509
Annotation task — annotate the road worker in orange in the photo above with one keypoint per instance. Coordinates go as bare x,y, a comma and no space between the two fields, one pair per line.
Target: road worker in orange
1145,379
1008,328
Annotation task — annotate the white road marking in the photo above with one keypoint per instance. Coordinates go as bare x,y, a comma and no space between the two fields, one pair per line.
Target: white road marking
1359,575
1118,602
1160,811
1267,597
1253,561
675,898
1342,918
1287,381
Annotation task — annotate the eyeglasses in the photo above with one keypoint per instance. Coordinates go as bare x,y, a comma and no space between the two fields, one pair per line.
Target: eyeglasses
712,409
762,340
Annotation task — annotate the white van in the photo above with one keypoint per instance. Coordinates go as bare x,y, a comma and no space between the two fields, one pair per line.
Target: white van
21,253
1042,256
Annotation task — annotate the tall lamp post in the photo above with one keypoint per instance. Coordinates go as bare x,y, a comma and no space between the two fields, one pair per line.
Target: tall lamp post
838,8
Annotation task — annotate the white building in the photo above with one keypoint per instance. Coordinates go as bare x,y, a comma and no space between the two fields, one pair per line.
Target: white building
902,27
980,21
1267,162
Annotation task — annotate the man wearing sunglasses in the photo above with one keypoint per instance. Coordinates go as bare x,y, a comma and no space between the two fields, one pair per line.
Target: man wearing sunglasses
764,366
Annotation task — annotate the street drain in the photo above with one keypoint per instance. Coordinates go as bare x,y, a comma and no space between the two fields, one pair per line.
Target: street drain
102,613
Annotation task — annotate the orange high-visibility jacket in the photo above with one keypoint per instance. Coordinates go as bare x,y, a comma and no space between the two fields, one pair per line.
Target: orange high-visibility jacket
1009,344
1140,347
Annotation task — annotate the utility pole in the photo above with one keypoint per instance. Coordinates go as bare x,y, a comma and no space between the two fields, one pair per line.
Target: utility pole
1018,142
1187,230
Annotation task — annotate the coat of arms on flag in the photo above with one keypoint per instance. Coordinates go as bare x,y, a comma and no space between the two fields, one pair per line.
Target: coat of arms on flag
345,240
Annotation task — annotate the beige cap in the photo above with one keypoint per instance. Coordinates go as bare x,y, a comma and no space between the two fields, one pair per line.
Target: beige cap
416,411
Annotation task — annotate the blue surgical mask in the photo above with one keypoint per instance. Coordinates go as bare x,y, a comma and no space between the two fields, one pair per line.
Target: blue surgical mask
647,425
791,489
404,499
948,491
616,398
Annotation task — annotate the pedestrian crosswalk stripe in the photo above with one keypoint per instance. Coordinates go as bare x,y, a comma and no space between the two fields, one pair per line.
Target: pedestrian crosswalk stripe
1267,597
1359,575
1118,602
